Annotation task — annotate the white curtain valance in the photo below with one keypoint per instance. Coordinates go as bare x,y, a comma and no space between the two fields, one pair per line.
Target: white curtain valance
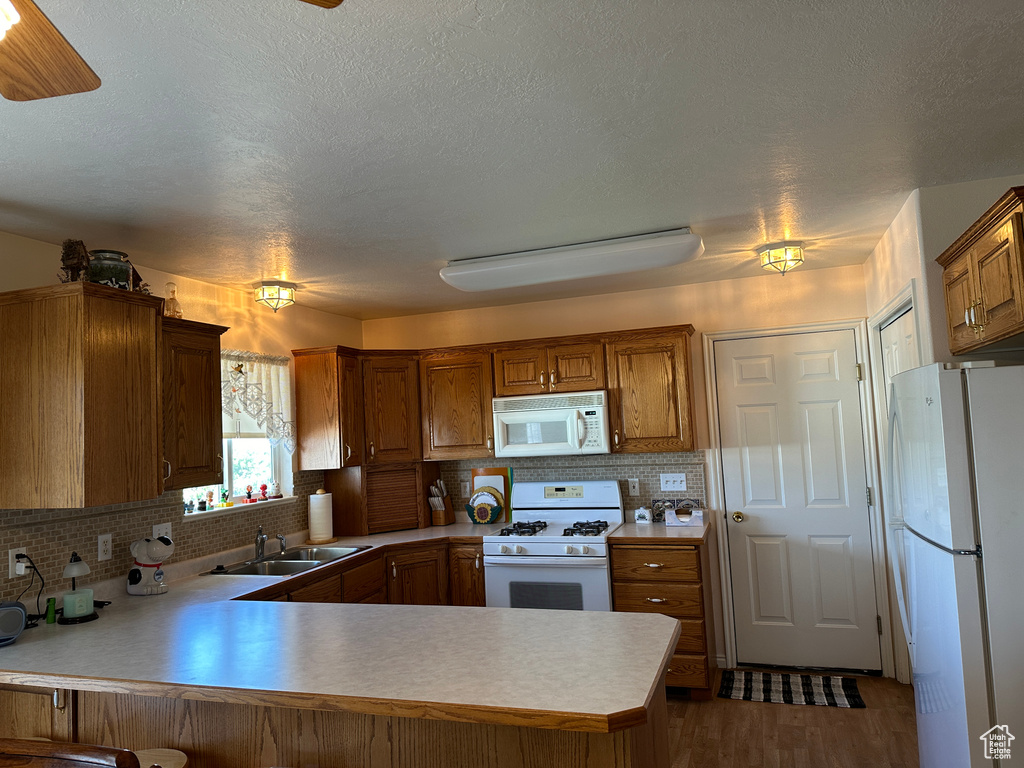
259,386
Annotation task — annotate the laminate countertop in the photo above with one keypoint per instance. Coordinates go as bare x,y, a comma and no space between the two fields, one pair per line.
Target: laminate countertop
570,670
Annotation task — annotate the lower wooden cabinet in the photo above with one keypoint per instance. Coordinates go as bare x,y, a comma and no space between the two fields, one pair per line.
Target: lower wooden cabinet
672,579
327,590
466,572
364,582
37,713
417,575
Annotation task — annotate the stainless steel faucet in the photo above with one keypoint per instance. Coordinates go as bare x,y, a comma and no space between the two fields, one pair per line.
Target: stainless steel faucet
284,542
261,541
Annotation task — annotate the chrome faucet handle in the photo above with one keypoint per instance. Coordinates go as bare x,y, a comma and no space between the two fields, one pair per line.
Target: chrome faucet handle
284,542
261,540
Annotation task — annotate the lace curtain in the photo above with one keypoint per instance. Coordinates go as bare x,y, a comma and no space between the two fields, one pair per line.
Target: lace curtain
259,386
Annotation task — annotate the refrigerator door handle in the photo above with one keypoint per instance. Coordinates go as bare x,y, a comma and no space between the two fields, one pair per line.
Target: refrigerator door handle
896,551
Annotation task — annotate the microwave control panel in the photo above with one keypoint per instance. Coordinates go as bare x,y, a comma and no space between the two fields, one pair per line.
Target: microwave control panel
594,422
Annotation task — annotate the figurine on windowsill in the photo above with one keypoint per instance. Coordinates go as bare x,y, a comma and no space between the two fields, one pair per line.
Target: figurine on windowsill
275,490
263,491
248,495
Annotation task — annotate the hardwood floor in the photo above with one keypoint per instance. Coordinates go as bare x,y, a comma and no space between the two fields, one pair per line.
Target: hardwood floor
723,733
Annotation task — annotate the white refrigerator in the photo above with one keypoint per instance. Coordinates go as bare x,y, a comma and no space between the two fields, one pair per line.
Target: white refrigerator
957,549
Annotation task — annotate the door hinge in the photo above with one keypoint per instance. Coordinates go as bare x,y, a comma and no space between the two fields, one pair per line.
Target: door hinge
867,495
860,372
878,619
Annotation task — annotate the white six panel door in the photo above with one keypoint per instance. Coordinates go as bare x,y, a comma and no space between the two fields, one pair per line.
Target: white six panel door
793,465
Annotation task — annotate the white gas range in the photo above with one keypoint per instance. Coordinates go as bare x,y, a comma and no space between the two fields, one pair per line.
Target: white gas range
554,552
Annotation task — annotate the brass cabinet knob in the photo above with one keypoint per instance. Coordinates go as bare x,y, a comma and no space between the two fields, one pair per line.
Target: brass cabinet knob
738,517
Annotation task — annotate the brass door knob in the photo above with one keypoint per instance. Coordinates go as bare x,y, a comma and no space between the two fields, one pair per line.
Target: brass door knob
738,517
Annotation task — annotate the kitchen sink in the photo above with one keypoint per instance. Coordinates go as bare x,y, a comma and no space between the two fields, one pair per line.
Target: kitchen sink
272,567
320,554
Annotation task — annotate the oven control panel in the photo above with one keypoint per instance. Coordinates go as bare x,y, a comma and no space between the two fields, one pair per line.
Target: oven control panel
563,491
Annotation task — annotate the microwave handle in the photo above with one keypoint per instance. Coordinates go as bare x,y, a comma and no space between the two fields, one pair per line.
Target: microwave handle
581,429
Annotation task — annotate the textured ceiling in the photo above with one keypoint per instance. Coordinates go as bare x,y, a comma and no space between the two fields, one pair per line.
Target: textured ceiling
355,151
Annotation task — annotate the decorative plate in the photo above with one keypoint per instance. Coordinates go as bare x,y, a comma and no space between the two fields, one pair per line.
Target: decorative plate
485,505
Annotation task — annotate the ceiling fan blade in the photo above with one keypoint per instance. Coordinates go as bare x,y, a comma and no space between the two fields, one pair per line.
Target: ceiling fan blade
36,62
324,3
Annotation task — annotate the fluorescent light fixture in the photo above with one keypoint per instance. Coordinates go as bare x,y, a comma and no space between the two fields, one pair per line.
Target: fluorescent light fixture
573,262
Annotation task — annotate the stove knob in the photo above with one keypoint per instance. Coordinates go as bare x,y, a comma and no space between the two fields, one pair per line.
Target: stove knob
569,550
519,549
503,549
586,549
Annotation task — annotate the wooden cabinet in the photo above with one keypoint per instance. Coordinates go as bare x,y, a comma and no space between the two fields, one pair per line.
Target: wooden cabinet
325,590
80,387
983,279
673,579
466,572
418,574
536,369
456,397
649,390
363,581
370,499
328,408
391,396
193,442
37,713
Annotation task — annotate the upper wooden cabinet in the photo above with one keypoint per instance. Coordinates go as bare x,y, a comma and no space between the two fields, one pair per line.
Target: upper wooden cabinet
372,499
191,395
391,395
649,390
80,387
533,369
328,408
456,397
982,278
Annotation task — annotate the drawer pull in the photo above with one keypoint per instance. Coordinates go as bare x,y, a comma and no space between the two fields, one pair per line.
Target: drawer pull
655,599
655,565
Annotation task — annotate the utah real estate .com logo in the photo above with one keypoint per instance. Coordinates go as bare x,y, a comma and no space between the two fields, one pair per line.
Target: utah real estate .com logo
997,742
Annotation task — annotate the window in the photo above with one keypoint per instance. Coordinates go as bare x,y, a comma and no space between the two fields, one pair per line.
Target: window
258,440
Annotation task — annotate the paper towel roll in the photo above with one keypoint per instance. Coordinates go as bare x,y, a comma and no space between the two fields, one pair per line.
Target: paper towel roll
321,524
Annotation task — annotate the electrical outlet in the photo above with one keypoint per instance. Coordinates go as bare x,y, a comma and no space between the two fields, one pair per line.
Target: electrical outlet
163,529
673,481
465,490
103,547
12,561
634,487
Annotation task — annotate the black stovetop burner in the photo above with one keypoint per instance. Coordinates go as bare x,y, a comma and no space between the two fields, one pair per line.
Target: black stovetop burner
523,528
586,528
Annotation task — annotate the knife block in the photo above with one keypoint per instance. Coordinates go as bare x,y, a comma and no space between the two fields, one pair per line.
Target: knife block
444,516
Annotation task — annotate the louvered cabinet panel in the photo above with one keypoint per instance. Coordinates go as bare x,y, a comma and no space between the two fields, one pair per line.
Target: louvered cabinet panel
391,500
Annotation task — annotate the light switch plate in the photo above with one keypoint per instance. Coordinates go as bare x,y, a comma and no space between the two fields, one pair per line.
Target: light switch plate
673,481
162,529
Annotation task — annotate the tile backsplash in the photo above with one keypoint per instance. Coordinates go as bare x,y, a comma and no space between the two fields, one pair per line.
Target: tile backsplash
645,467
51,535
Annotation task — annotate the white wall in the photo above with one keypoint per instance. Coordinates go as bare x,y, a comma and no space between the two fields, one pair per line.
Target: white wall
26,263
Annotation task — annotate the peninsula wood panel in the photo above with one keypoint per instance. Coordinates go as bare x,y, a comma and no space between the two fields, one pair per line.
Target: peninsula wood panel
328,408
191,395
218,735
391,398
29,712
81,397
456,394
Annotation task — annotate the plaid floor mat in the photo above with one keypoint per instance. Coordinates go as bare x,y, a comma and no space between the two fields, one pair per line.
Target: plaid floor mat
791,689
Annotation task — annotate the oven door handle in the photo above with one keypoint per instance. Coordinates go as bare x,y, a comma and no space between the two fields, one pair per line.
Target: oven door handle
550,562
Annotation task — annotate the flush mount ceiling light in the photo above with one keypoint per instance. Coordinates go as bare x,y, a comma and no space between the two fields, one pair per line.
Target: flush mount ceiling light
781,257
572,262
275,294
9,16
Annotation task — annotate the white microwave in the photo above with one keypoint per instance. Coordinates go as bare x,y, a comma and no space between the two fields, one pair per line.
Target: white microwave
551,425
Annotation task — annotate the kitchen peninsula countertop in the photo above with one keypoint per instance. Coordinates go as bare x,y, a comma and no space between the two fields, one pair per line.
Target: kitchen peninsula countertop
433,662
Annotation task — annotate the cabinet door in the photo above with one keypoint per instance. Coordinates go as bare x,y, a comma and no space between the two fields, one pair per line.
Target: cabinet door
36,713
997,257
191,395
466,569
520,371
456,403
419,576
324,591
576,367
328,410
649,393
391,394
956,280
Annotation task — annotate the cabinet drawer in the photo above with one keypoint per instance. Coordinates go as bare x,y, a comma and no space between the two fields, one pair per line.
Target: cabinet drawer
687,671
362,581
655,564
691,638
377,598
672,599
